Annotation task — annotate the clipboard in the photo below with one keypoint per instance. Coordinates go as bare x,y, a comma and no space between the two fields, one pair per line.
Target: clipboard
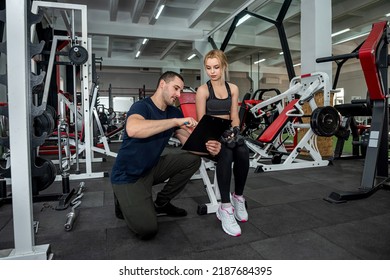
208,128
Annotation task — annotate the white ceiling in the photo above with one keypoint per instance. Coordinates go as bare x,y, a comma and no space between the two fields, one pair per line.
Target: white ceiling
118,27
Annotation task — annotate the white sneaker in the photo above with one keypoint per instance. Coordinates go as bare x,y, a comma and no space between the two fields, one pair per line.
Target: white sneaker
240,212
229,223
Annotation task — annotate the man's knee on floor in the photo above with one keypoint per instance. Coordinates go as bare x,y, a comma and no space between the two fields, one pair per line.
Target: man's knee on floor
146,232
147,236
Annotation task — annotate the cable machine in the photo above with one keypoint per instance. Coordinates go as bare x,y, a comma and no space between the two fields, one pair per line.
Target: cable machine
81,58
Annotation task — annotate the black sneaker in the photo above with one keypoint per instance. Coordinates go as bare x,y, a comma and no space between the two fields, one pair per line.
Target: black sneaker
170,210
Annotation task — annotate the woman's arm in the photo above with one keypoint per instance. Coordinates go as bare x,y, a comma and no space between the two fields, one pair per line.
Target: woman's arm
201,96
182,134
234,108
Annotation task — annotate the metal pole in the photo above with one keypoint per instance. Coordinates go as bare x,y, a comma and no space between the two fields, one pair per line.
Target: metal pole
19,100
76,136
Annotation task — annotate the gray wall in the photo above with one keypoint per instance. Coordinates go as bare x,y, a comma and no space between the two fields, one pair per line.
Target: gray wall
126,83
352,82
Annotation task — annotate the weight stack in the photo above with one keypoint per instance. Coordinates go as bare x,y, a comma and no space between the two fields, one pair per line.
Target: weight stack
325,144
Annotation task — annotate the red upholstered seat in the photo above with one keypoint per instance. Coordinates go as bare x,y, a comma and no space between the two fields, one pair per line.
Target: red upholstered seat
277,125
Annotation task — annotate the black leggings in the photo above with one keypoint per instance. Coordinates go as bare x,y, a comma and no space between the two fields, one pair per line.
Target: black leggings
239,156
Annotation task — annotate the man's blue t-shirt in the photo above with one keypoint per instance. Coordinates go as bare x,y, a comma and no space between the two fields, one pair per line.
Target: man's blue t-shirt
138,155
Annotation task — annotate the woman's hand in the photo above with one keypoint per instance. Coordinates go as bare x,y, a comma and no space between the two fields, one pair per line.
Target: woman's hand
213,147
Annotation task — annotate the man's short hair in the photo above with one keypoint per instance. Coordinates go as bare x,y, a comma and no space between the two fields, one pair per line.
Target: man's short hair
169,76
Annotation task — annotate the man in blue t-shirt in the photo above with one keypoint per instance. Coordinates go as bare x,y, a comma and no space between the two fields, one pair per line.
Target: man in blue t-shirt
140,164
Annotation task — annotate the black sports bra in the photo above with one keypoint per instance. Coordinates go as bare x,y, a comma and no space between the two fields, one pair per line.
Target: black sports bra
216,106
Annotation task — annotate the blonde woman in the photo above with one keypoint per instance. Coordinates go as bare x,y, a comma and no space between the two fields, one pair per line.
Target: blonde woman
220,98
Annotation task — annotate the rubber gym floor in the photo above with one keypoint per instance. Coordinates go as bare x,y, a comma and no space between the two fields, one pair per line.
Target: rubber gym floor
288,220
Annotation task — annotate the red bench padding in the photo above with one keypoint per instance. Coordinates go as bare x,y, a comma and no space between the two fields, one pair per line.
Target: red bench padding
276,126
187,104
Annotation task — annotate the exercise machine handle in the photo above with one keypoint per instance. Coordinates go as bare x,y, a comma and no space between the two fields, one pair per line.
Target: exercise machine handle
337,57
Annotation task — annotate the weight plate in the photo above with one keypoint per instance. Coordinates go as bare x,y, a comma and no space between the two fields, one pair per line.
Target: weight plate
52,111
43,123
325,121
78,55
44,173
